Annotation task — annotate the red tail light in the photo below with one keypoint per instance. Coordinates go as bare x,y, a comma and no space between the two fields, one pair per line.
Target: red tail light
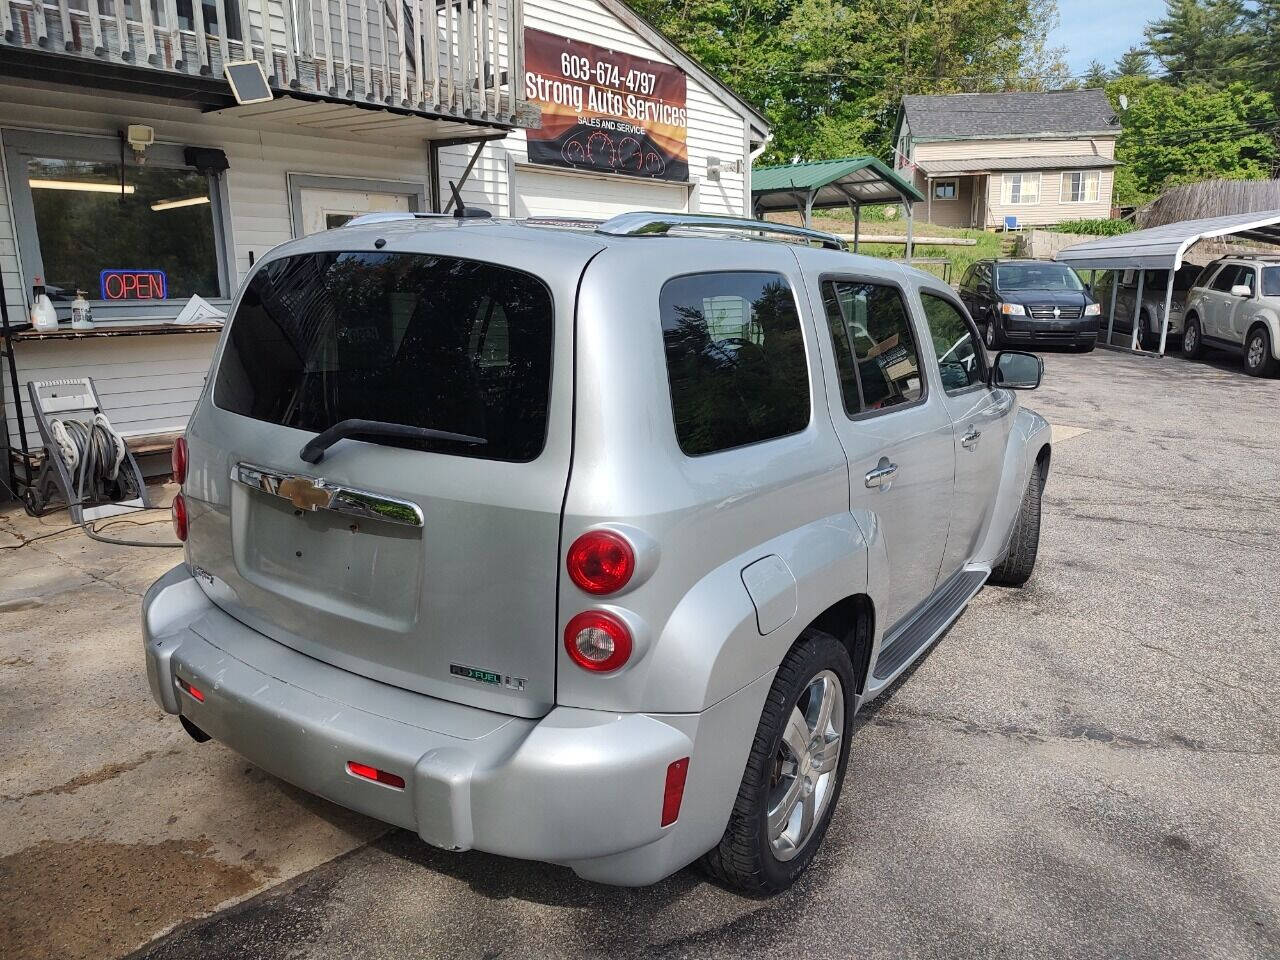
178,459
601,561
178,513
195,693
673,794
598,641
373,773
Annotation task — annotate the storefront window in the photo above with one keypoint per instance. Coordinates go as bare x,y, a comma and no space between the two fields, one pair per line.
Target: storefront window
152,238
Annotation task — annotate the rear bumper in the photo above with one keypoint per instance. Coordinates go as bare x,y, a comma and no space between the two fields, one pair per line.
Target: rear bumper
579,787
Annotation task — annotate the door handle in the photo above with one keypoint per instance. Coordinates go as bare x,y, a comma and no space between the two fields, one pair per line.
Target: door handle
970,439
882,475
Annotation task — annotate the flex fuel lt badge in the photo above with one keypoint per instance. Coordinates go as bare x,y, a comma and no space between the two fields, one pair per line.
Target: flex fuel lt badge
486,676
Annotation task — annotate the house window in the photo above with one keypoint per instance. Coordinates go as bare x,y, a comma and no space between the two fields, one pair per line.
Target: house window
139,241
944,189
1021,188
1080,186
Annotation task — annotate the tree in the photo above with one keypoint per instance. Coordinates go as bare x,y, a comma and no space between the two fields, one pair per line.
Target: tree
830,74
1201,41
1262,23
1173,135
1134,62
1095,75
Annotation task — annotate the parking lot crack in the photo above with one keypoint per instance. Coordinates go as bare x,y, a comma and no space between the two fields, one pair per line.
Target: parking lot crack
108,772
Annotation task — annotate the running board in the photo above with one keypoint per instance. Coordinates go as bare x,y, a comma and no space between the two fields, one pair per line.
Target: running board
928,622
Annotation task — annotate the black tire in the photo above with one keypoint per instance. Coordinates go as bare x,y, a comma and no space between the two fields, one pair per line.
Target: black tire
1258,360
1193,339
745,857
1024,544
992,335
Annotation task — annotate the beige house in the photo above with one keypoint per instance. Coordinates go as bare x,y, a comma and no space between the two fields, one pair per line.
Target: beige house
1008,159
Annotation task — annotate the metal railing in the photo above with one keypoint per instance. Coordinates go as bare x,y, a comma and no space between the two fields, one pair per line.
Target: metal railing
459,58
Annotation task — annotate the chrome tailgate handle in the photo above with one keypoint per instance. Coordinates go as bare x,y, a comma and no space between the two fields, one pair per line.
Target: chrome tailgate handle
882,475
314,493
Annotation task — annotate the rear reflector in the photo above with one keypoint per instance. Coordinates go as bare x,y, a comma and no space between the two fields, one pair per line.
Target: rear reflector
674,792
192,691
373,773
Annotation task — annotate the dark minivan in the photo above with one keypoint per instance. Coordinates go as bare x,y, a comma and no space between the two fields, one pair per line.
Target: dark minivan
1030,302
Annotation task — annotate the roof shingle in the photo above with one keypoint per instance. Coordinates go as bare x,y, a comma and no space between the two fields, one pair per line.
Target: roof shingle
977,115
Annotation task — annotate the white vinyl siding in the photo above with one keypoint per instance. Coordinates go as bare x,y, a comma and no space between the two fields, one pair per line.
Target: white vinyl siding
1020,189
1080,186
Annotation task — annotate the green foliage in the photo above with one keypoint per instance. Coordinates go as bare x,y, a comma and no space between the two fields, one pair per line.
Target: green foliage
1095,228
1134,62
1201,41
830,74
1175,135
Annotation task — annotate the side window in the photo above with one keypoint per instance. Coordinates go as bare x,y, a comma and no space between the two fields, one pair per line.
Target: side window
735,359
1226,278
953,341
983,276
966,282
1248,277
875,349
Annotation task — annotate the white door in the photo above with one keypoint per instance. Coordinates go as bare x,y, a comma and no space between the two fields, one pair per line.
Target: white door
324,209
539,194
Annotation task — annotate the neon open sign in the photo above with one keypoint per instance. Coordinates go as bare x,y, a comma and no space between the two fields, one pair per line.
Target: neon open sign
133,285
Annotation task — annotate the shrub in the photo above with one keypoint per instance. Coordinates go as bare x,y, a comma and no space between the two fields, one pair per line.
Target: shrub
1097,228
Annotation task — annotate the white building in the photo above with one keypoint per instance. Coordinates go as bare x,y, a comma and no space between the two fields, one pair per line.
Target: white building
617,116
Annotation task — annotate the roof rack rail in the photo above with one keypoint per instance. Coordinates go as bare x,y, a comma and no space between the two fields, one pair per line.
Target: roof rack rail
388,216
1250,256
647,223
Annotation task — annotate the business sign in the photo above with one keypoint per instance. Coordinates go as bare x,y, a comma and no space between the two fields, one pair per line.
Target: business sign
133,285
605,111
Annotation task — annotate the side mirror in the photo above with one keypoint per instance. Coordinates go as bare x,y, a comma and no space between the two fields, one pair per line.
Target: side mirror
984,288
1240,290
1088,288
1015,370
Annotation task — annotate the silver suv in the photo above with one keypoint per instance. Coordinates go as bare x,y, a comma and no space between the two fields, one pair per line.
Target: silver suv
1235,305
584,544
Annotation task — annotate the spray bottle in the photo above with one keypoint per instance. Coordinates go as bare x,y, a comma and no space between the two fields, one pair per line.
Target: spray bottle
43,316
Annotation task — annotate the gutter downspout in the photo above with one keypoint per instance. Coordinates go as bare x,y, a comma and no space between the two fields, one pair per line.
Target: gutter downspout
752,157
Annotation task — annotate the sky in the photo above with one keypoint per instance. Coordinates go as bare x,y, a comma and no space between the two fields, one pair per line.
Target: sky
1101,29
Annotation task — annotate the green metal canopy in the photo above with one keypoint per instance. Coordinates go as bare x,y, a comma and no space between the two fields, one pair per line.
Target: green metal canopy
836,183
849,181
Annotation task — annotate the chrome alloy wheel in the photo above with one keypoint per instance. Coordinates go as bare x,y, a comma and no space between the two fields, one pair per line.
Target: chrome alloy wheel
804,775
1256,349
991,334
1189,338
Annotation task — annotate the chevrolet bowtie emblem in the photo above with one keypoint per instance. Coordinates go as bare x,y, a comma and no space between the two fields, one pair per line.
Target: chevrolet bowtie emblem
305,493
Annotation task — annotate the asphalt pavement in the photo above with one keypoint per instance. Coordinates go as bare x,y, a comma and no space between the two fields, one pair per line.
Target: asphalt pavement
1087,767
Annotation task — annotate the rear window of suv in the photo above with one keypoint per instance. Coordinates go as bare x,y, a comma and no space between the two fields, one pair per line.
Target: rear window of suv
735,359
426,341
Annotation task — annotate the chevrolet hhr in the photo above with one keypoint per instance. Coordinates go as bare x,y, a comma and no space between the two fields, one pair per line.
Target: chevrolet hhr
584,543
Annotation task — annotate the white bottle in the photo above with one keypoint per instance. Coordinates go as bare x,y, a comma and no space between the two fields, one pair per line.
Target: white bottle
43,316
81,313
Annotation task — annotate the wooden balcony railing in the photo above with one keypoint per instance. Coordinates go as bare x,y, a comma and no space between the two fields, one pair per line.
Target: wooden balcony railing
455,58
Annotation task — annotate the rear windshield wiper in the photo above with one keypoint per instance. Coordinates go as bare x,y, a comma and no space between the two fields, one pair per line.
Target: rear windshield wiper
313,452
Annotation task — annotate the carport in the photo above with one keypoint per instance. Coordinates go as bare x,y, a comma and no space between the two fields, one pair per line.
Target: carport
1163,248
827,184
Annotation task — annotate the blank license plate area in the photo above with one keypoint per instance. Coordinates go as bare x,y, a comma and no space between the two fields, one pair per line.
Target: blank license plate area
359,568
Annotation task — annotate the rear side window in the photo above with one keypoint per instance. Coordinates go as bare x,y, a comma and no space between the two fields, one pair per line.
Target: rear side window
413,339
735,359
875,348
